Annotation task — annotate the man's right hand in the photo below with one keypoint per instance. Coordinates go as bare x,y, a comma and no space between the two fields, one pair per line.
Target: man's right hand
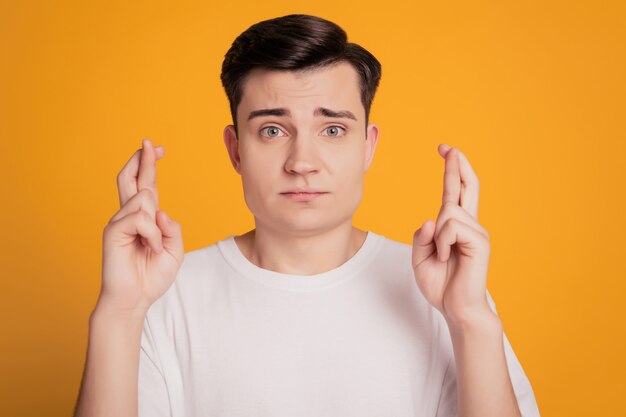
142,246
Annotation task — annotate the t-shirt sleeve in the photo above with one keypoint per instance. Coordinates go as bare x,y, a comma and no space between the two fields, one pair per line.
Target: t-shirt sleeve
153,399
447,406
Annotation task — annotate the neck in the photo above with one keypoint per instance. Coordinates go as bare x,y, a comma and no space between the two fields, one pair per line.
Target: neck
300,254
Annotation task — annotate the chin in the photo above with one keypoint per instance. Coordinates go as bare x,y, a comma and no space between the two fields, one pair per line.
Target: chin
303,222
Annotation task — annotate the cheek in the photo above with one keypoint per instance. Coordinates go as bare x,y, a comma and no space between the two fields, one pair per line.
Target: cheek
257,170
348,168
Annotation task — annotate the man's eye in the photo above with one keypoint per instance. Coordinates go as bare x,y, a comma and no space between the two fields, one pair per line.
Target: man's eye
334,130
271,131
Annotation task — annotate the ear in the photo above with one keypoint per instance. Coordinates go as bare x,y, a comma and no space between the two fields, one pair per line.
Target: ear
232,146
370,144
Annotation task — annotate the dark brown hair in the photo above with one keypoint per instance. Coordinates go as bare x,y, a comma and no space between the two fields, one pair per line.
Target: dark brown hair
295,42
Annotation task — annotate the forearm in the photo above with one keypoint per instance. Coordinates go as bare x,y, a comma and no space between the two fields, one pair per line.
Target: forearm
483,382
109,386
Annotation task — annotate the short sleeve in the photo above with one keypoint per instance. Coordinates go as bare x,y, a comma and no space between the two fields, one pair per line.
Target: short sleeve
153,398
447,406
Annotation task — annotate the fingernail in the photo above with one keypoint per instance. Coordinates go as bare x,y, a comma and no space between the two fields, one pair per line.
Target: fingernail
146,142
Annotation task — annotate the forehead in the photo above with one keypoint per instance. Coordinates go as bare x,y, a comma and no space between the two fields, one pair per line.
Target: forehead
335,86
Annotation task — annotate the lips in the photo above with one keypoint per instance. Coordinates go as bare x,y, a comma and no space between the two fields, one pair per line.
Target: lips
303,190
303,194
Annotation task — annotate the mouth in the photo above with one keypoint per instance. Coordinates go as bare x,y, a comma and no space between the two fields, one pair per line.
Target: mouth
303,196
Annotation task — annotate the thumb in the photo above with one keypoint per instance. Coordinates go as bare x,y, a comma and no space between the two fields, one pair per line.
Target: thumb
172,233
423,244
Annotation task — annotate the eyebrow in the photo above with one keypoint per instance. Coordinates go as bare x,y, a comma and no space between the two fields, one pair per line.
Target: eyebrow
320,111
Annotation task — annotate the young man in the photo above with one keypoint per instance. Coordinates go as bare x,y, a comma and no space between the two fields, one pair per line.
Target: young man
305,315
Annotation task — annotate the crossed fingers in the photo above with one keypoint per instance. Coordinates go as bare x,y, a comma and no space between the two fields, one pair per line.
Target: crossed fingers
460,184
136,182
139,172
459,200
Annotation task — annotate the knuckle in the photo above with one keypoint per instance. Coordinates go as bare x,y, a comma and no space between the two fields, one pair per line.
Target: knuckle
148,195
450,223
449,205
144,215
145,199
145,194
140,217
108,229
121,177
174,223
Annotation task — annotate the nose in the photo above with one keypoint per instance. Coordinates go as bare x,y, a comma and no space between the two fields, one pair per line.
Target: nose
302,157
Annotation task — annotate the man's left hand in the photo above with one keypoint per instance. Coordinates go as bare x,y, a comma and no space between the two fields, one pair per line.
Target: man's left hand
451,255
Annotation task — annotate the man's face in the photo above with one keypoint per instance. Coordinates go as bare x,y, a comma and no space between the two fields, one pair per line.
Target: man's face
302,130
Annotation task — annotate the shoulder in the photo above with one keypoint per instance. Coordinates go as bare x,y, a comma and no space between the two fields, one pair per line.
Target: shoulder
395,249
202,264
196,262
392,256
198,272
394,265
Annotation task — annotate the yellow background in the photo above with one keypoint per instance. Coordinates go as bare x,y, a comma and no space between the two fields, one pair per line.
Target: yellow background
532,92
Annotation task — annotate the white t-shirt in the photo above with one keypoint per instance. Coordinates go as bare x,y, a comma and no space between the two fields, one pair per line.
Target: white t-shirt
231,339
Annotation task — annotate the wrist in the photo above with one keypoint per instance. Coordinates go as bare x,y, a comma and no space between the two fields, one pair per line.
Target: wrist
104,312
476,322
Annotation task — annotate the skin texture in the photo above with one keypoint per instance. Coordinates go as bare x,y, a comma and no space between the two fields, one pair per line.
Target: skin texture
142,250
450,258
451,254
142,247
329,154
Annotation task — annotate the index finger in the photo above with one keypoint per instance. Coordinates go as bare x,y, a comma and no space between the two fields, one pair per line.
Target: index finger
127,178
